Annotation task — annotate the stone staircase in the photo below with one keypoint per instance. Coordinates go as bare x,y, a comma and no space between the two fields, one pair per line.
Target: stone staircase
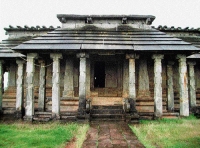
107,113
42,116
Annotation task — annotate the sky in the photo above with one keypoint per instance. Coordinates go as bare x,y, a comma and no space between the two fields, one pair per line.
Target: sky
178,13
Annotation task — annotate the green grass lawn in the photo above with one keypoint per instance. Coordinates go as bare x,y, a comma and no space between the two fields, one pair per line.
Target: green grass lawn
169,133
48,135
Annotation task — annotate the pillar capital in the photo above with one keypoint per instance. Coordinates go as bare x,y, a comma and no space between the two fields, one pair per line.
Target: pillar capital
191,63
132,56
82,55
20,62
157,56
56,56
32,56
181,57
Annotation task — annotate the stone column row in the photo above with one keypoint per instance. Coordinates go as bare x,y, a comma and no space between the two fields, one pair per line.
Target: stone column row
1,84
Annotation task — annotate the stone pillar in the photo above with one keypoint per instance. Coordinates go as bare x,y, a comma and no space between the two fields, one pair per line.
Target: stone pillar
42,80
131,83
12,76
30,70
170,88
131,87
56,85
143,90
157,85
1,84
68,79
183,88
20,89
192,85
125,78
82,83
87,78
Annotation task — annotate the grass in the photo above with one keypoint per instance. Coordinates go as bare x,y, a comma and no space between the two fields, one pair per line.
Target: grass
172,133
50,135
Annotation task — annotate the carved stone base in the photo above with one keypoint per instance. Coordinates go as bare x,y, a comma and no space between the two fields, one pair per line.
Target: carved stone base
55,116
18,115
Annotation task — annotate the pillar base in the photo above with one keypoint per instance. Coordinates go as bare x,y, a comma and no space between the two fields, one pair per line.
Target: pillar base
18,114
157,116
55,116
28,118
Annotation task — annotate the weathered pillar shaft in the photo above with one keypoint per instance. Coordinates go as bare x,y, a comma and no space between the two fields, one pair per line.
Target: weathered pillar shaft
56,84
68,79
132,89
82,82
125,78
12,76
20,89
1,84
170,89
87,78
143,90
192,85
157,85
30,70
41,97
183,88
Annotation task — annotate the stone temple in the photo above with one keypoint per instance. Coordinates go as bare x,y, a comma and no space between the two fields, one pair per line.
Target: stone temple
100,67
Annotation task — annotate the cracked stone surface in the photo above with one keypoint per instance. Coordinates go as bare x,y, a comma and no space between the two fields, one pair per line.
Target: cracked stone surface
111,135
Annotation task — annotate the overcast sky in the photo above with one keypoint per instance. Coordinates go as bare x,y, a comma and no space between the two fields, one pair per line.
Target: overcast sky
178,13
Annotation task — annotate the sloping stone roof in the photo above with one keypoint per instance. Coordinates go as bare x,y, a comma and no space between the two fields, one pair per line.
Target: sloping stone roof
93,38
16,39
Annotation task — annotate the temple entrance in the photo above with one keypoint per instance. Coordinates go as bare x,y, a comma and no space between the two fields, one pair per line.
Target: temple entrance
99,75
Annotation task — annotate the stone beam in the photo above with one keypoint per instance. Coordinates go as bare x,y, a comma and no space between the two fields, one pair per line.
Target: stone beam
20,89
192,85
41,97
56,85
183,88
158,110
30,70
170,88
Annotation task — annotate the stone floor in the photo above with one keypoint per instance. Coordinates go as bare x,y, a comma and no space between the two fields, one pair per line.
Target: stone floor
111,135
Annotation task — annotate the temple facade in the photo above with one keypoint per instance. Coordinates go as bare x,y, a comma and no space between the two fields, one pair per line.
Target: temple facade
100,67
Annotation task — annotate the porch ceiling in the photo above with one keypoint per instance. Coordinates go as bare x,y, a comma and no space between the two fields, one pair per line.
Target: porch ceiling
122,38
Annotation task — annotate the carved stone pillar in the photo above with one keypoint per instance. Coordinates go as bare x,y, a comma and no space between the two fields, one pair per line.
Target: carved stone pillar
68,79
20,89
183,88
30,70
131,84
41,97
158,110
143,90
1,84
82,82
56,85
192,85
170,89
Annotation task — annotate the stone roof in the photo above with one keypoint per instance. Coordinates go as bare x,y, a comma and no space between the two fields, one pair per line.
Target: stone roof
176,29
32,28
90,37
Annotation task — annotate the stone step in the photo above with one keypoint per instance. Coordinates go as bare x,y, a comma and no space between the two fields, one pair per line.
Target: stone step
110,116
108,119
43,113
41,119
68,113
106,111
107,107
68,118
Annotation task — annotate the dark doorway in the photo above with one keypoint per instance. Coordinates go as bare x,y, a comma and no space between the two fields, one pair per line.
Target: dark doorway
99,74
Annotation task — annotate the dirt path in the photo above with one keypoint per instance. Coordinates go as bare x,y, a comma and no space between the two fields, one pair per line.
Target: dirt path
112,135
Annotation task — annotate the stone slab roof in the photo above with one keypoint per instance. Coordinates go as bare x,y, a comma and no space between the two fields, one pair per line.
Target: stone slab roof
92,38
